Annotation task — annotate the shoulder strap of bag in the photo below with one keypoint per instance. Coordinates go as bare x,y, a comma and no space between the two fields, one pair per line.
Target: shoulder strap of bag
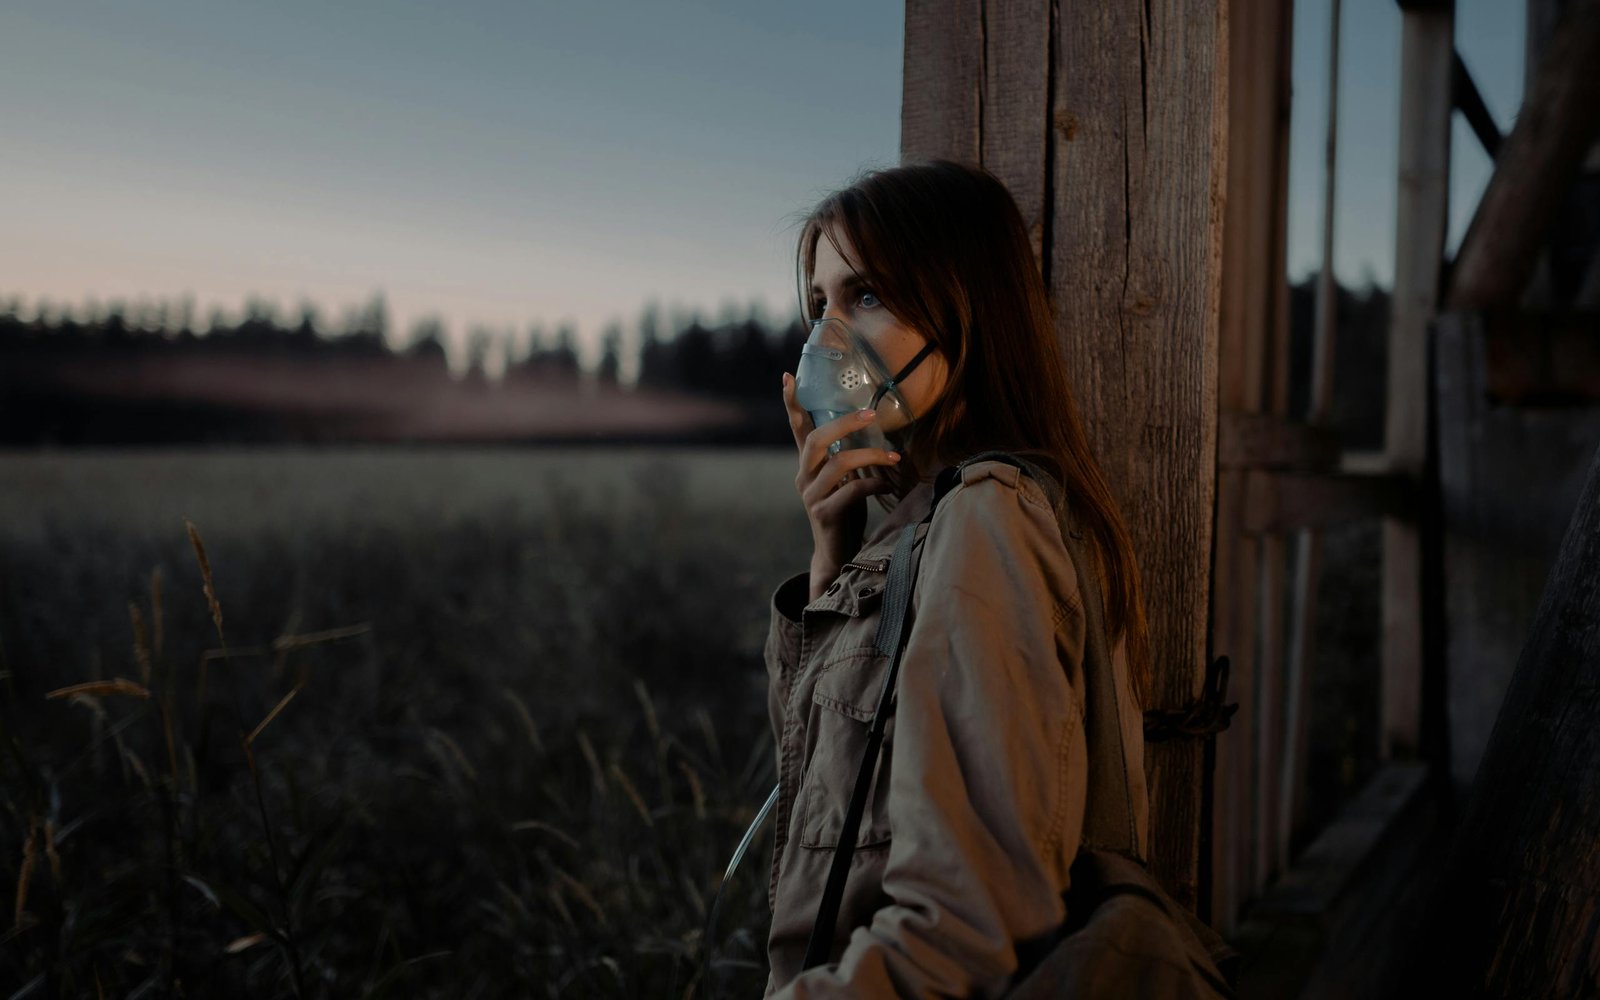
1112,827
890,641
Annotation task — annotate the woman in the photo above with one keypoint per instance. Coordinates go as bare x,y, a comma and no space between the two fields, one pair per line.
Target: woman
978,803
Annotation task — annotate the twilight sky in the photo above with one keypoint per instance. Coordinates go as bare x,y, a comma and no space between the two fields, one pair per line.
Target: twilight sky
507,163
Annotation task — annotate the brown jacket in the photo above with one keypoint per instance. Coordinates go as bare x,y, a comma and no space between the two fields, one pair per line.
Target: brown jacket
978,802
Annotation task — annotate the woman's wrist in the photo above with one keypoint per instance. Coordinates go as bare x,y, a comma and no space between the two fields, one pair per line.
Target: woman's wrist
823,572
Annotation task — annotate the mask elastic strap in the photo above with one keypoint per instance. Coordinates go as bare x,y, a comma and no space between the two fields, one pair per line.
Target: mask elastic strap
927,349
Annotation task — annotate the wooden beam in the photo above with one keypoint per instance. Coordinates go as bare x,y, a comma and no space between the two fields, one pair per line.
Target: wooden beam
1325,871
1284,501
1253,394
1334,923
1515,913
1426,48
1464,92
1267,441
1278,40
1138,169
1289,764
1534,358
1536,168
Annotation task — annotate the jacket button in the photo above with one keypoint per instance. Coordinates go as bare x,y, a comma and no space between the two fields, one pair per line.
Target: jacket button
866,591
834,589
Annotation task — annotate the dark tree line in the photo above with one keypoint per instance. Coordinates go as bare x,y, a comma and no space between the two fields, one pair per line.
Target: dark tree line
738,359
735,359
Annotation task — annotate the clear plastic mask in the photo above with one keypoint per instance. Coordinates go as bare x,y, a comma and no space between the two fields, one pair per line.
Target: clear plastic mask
839,372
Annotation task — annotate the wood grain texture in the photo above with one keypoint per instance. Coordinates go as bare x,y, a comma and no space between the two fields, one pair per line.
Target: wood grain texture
940,105
1518,911
1105,119
1138,178
1015,102
1252,384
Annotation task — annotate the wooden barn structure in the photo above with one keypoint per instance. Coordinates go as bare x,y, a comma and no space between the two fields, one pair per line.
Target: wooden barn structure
1146,142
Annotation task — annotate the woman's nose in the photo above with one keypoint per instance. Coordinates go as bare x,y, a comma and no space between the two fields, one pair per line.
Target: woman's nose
835,312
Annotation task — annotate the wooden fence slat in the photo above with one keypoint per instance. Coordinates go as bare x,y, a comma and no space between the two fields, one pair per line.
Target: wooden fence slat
1252,389
1277,38
1301,652
1285,501
1268,441
1271,731
1232,602
1427,48
1336,923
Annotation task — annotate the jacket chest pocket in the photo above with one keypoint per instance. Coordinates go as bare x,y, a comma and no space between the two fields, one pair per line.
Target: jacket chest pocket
842,704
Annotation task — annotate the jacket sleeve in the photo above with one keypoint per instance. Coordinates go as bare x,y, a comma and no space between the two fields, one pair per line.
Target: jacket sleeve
782,650
987,791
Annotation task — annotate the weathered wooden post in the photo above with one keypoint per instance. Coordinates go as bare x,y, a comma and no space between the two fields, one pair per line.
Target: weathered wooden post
1517,910
1427,49
1107,120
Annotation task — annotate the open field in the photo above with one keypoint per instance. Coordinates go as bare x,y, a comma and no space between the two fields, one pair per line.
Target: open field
526,720
516,766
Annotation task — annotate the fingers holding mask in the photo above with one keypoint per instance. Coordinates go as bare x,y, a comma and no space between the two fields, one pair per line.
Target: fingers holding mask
827,478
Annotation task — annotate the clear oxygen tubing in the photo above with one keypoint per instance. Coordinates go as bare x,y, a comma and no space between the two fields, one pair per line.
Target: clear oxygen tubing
716,902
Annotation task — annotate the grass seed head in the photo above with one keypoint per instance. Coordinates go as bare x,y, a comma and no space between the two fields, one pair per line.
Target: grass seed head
158,628
30,857
632,793
205,575
119,685
695,789
594,761
141,643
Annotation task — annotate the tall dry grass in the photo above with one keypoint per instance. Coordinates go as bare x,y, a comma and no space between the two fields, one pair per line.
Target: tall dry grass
503,754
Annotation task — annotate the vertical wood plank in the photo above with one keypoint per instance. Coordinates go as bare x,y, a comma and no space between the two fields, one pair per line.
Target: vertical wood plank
1138,185
1234,616
1231,604
1270,52
940,109
1301,653
1271,731
1426,47
1252,378
1015,100
1280,36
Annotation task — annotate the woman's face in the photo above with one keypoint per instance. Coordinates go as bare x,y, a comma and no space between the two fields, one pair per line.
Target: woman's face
837,292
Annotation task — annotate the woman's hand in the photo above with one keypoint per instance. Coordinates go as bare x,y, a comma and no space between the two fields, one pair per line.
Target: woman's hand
834,494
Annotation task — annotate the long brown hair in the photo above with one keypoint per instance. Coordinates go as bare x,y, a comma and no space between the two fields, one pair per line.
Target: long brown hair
947,253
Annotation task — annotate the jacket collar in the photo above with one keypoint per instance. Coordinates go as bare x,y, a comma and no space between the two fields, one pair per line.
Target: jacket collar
879,545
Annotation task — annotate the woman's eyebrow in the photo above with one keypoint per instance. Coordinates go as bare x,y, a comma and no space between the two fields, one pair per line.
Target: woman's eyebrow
851,282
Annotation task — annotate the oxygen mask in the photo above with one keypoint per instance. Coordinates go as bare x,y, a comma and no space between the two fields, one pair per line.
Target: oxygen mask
840,372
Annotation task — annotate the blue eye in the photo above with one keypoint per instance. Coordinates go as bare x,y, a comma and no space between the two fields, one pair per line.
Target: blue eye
820,306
